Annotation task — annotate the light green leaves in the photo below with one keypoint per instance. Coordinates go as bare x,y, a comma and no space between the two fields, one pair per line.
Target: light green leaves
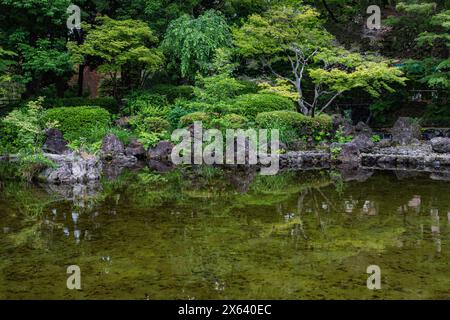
190,43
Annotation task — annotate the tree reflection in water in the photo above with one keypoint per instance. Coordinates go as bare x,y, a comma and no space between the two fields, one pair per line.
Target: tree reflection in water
209,232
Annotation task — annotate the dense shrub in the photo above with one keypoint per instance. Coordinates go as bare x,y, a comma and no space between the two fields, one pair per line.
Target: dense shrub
22,130
250,105
156,124
173,92
249,87
185,107
217,88
107,103
436,116
144,101
293,125
230,121
79,122
190,118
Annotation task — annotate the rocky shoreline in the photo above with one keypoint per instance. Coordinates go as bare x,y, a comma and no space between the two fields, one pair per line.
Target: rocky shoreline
405,150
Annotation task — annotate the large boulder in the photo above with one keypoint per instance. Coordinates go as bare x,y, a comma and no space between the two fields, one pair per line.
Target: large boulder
161,151
341,123
123,122
349,153
112,146
362,129
364,143
135,149
406,131
72,168
54,142
441,145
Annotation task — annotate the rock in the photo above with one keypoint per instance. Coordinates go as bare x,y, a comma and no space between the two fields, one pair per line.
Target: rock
441,145
55,142
440,176
341,123
72,168
161,151
385,143
135,149
362,129
405,131
123,122
267,147
354,172
364,143
114,168
160,166
429,134
349,153
336,146
112,146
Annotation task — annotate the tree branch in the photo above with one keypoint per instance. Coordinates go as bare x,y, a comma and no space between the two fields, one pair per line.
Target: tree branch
330,101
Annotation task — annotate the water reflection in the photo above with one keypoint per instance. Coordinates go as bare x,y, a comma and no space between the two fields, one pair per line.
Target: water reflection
217,233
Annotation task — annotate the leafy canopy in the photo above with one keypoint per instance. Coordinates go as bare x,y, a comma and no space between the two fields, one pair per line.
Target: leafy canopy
116,43
190,43
292,44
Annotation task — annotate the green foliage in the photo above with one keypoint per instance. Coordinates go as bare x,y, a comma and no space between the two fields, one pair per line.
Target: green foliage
147,103
294,126
79,122
250,105
44,58
218,88
439,77
150,139
230,121
6,62
92,142
173,92
376,138
118,44
190,118
190,43
107,103
155,124
32,162
296,39
23,129
428,25
436,115
339,136
180,109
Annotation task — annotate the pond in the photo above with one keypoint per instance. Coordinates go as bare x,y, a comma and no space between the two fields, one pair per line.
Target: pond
211,233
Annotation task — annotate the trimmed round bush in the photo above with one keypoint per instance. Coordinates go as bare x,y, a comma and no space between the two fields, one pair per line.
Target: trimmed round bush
250,105
156,124
184,107
107,103
293,125
78,122
190,118
230,121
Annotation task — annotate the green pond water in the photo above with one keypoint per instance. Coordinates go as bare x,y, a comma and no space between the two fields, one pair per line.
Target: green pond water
208,233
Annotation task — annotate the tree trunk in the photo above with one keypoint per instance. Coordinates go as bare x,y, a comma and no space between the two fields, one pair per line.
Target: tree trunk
80,79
